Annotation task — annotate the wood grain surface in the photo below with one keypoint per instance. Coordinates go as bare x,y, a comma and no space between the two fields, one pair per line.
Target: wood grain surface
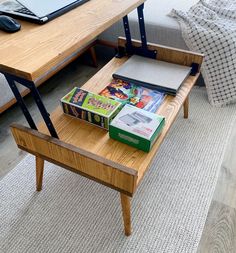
225,193
39,172
90,165
88,150
169,54
40,81
126,213
219,235
96,140
90,146
36,50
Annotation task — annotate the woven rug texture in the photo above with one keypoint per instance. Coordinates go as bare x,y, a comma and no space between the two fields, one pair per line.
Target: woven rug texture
169,209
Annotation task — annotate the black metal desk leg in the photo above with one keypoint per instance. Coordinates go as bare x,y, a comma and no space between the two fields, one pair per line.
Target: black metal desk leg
43,111
20,102
130,49
30,85
142,27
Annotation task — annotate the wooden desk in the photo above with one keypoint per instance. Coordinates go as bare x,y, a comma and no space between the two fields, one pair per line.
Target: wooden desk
35,53
88,150
37,50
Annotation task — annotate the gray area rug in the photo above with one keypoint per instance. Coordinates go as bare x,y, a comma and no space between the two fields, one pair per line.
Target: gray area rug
73,214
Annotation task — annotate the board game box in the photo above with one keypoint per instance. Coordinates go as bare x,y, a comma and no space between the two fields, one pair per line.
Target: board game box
136,127
128,93
90,107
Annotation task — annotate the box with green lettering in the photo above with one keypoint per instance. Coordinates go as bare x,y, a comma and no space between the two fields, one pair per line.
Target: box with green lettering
90,107
136,127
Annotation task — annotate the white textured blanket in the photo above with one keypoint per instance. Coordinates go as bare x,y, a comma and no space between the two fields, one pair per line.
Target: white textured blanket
209,27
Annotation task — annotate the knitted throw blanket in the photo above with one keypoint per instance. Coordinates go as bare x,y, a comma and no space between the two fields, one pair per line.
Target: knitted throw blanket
209,27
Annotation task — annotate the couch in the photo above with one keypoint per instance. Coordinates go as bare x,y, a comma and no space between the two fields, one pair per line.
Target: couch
160,28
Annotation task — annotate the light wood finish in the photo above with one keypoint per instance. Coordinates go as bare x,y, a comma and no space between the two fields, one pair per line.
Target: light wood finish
96,141
169,54
126,213
93,56
225,193
186,107
84,162
92,52
88,150
219,234
107,43
65,62
91,138
39,172
37,50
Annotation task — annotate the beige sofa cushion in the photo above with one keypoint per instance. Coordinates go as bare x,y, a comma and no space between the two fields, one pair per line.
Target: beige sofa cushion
160,28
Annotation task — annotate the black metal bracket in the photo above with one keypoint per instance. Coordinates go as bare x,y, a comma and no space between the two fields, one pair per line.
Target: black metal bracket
130,49
37,98
195,69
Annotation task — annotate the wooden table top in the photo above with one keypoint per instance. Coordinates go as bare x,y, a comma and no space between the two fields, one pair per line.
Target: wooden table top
87,149
96,140
35,50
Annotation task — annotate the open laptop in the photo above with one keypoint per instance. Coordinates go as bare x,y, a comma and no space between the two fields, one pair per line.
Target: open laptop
38,11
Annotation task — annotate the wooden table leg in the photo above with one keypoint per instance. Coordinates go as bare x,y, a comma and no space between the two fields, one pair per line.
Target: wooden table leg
125,204
186,106
39,173
94,57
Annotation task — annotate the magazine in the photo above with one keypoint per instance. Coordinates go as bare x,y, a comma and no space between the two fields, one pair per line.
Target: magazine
128,93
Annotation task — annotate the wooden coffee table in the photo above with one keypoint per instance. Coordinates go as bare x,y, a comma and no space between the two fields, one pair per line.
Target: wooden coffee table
88,150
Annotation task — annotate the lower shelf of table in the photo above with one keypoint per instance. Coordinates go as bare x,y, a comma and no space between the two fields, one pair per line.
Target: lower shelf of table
97,156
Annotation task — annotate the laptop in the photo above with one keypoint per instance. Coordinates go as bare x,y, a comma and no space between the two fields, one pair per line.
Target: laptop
38,11
153,74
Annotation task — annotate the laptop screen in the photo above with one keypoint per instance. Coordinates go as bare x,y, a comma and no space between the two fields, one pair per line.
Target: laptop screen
43,8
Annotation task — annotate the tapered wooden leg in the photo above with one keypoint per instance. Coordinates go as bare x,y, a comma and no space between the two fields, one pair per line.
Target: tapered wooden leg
186,106
39,173
94,57
125,204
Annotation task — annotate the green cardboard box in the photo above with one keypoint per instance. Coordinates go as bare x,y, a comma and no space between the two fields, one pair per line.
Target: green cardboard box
136,127
95,109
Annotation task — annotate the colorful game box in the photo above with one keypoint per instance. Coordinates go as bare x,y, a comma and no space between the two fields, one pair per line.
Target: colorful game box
93,108
136,127
128,93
